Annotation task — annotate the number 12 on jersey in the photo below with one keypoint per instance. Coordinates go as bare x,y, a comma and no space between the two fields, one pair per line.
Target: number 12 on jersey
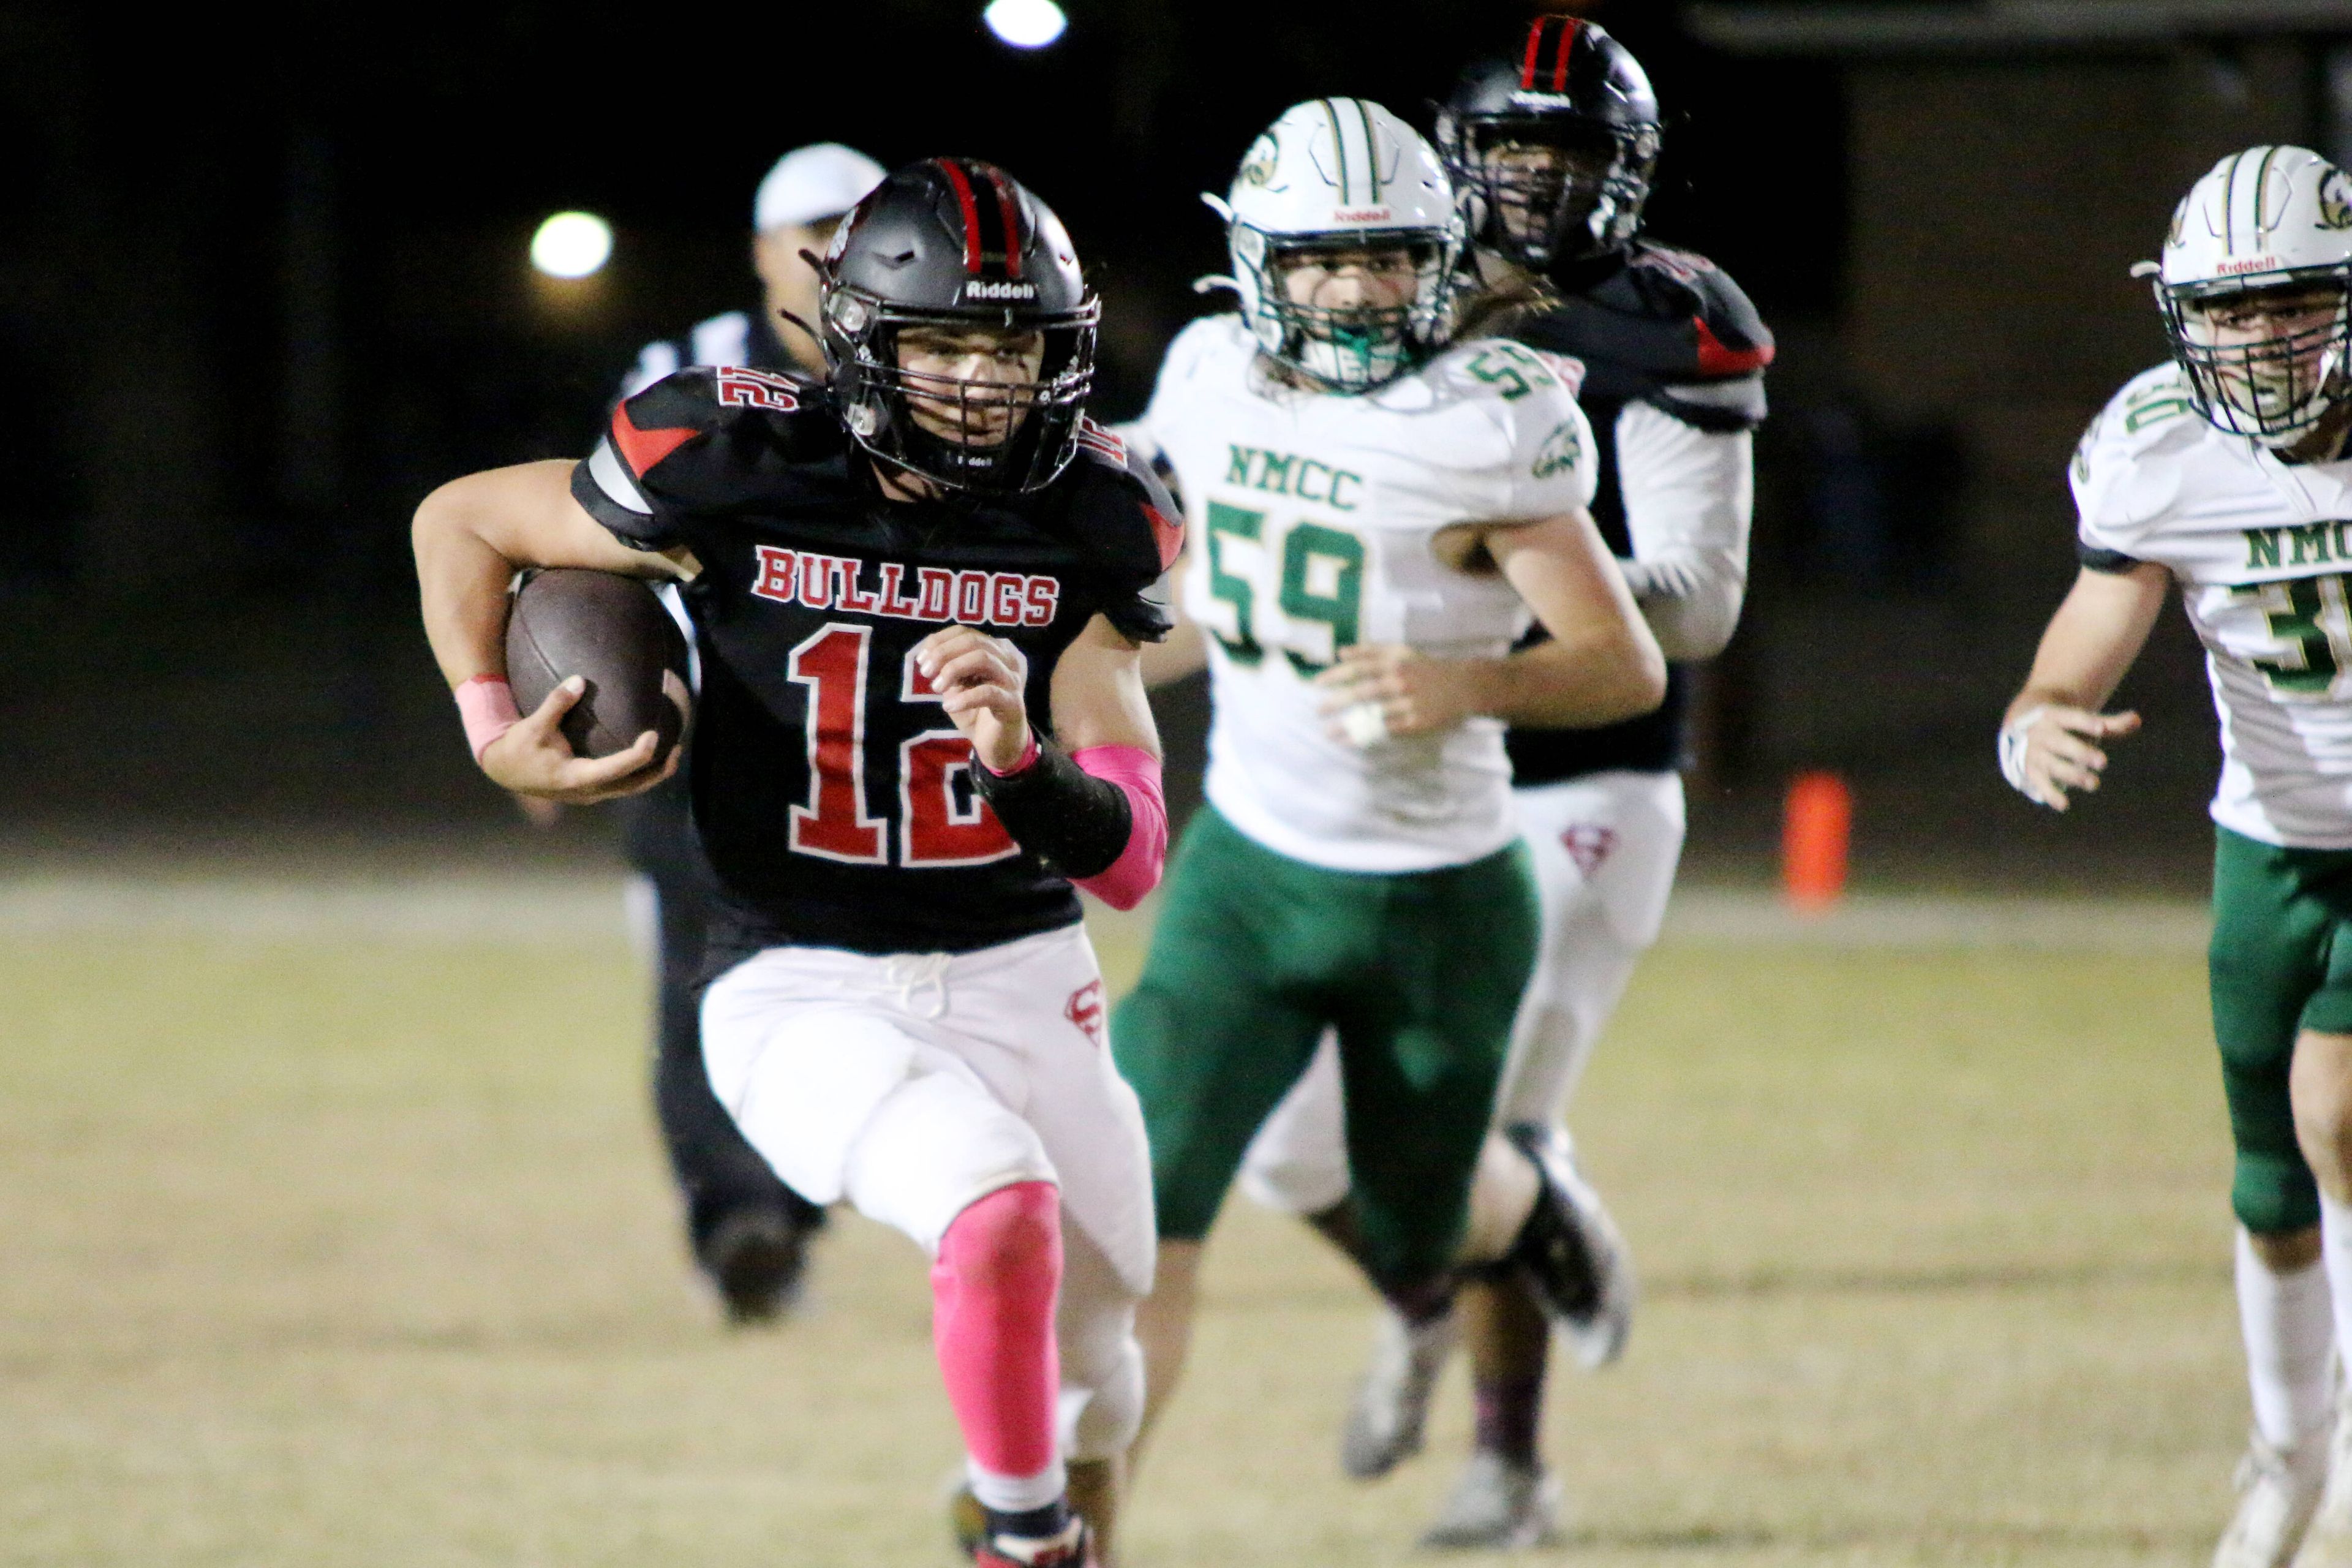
1309,573
938,826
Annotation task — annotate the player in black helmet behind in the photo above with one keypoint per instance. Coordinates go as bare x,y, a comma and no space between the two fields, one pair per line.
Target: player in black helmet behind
918,592
1553,146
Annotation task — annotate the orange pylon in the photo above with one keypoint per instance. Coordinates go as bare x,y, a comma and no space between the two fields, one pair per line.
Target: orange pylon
1815,828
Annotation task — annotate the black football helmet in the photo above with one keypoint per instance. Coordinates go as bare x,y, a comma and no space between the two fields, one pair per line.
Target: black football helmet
957,245
1552,151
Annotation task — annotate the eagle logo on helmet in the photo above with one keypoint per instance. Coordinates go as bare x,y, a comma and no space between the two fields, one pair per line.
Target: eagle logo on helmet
1259,165
2336,201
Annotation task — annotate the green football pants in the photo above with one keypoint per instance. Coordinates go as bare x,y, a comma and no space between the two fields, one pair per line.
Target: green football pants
2281,963
1255,954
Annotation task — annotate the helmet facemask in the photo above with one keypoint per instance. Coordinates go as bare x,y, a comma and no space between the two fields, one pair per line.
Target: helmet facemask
2268,358
1348,310
1544,189
991,401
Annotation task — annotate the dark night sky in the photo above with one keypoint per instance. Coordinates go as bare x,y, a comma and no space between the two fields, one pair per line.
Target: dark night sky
164,156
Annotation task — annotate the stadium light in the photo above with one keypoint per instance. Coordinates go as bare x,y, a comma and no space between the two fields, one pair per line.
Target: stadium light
1025,23
571,245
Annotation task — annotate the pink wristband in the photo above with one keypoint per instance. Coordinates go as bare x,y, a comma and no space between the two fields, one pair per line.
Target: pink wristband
1028,760
486,704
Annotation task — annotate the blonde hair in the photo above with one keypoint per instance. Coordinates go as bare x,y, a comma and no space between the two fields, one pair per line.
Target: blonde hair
1495,308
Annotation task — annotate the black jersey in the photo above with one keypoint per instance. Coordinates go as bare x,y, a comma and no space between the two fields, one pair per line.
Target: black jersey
833,794
1670,329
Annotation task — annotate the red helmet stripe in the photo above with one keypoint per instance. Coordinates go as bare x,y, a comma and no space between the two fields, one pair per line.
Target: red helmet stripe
1012,216
961,185
1569,28
1535,51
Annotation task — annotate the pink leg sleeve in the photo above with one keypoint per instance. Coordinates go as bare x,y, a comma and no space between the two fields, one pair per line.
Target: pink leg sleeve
993,1291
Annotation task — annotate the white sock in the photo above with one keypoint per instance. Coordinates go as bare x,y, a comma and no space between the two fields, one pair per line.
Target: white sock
1017,1494
2288,1330
2336,1253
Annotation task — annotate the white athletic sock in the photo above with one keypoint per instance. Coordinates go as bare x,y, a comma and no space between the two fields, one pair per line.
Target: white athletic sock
1502,1195
2288,1330
1017,1494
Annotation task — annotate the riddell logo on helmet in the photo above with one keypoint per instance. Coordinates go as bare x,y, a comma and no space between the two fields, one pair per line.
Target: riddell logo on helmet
2254,264
984,289
1362,214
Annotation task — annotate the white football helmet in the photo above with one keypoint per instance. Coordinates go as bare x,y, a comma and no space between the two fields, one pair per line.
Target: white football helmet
2267,224
1342,175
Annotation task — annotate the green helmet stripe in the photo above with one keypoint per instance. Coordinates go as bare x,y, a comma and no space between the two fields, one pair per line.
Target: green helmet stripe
2262,182
1339,146
1371,149
2230,204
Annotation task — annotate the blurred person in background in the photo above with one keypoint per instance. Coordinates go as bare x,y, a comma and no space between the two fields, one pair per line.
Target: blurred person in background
2225,472
1377,506
750,1232
1552,149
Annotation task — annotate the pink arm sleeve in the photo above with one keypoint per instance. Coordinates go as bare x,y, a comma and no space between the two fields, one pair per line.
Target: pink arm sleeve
1137,870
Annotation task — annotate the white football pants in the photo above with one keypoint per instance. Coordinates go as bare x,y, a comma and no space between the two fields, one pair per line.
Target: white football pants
1605,847
916,1084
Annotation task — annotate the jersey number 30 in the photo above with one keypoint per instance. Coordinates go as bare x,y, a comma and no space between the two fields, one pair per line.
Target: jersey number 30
937,825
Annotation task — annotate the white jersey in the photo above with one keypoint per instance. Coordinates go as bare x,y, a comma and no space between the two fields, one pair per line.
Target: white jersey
1311,517
2261,550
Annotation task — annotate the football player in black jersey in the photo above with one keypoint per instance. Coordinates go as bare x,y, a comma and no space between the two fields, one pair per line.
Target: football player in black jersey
1553,146
918,591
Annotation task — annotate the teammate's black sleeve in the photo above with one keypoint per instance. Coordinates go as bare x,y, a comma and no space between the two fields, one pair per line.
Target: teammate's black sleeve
1664,326
1131,529
1721,386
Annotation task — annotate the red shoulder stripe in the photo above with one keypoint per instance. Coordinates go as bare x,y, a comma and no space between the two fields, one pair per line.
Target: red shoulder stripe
1718,358
641,449
1166,534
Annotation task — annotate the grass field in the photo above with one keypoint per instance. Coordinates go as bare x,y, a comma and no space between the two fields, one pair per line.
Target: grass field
324,1247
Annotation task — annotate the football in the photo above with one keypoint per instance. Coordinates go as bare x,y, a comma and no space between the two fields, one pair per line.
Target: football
612,630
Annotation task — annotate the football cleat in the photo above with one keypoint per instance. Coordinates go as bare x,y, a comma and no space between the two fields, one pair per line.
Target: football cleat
1571,1253
1386,1420
2277,1490
1496,1504
756,1256
1070,1548
2326,1525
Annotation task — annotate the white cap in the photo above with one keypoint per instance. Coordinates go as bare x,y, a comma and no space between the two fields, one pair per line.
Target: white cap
823,180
